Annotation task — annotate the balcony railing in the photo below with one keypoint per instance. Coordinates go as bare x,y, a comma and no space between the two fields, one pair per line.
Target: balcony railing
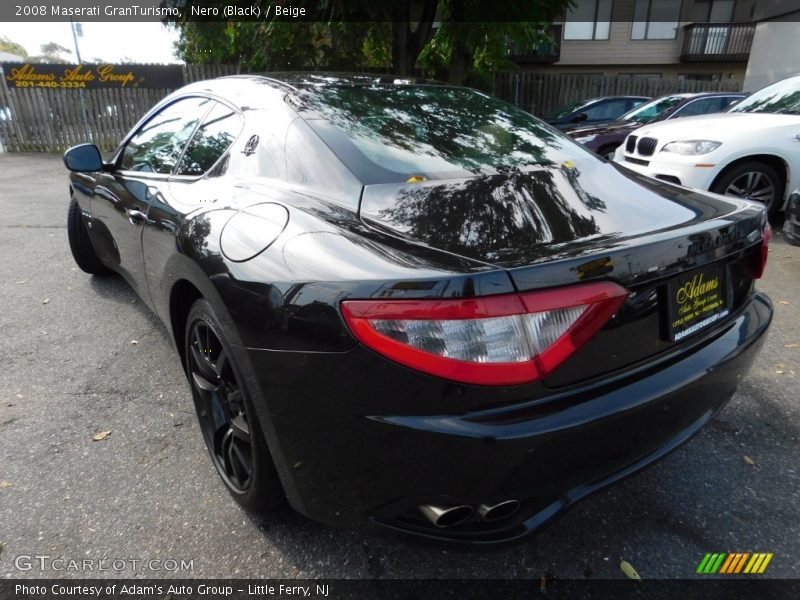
546,53
717,42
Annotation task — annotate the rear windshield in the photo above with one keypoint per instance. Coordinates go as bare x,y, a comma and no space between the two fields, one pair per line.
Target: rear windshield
432,132
782,97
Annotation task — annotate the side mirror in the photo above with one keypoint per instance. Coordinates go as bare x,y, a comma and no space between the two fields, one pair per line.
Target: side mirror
580,118
84,158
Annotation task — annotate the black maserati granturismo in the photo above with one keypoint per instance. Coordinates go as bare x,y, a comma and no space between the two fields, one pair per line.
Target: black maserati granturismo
409,305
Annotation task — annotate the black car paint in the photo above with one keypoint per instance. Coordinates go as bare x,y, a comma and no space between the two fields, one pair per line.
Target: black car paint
357,438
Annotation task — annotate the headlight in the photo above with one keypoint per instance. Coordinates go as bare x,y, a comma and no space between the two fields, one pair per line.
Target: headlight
691,147
585,139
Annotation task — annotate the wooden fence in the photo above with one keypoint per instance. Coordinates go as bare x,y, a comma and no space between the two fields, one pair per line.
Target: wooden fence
542,93
35,119
40,119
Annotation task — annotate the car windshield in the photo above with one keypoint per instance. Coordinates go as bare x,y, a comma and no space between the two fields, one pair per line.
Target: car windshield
652,111
433,132
782,97
569,109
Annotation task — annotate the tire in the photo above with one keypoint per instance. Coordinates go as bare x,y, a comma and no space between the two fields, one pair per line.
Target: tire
226,415
79,243
764,178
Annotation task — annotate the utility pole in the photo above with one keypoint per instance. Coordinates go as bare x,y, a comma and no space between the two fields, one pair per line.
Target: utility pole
77,31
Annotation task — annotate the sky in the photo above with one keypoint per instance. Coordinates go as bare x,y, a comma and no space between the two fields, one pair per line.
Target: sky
143,42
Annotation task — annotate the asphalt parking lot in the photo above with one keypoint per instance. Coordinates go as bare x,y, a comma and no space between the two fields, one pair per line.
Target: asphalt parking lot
70,369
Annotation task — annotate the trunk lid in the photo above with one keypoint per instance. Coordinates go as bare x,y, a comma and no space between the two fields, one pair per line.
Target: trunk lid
550,227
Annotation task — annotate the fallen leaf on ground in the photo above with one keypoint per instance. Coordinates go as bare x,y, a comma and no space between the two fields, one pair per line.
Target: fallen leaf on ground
629,571
134,342
748,460
2,547
5,484
100,436
792,345
784,302
46,300
21,281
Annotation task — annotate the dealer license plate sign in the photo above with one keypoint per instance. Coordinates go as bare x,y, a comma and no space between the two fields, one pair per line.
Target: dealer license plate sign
696,301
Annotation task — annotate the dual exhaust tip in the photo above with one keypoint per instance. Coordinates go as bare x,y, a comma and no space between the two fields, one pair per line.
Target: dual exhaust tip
448,516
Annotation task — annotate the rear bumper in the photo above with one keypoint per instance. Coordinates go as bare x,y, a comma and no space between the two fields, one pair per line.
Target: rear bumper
351,453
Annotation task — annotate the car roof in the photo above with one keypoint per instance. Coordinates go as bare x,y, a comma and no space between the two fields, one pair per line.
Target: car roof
702,94
305,79
598,98
243,90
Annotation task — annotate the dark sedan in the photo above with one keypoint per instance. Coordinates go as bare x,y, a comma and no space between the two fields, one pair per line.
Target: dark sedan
410,306
595,110
604,138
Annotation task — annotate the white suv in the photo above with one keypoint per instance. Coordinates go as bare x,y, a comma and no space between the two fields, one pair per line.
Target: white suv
751,151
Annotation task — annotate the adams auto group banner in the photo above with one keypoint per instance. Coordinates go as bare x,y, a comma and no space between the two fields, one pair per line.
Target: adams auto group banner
83,76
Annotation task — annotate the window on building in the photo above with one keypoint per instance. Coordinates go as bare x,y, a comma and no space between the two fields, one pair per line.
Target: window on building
700,76
655,19
588,20
640,75
712,11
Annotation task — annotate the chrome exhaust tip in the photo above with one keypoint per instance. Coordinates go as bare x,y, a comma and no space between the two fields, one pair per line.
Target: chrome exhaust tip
498,512
446,516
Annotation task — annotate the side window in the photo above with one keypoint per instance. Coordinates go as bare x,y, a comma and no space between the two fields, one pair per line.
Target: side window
606,110
158,144
728,100
699,107
633,103
219,129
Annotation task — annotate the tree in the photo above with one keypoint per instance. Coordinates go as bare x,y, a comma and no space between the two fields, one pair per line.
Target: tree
6,45
52,52
470,44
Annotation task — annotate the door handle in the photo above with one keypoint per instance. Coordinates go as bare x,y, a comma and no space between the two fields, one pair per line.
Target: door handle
135,216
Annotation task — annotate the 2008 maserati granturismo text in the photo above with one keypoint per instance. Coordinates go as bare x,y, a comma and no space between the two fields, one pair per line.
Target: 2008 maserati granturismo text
404,304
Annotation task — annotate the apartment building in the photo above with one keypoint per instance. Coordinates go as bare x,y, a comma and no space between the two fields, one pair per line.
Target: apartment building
687,39
776,44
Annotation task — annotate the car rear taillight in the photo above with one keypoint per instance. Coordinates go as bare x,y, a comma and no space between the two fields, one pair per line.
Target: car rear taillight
492,340
758,271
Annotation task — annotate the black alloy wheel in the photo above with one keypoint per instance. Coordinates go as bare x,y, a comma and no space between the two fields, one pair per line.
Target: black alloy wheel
229,425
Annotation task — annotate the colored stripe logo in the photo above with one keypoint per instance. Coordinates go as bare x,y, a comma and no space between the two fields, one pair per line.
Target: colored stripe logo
734,562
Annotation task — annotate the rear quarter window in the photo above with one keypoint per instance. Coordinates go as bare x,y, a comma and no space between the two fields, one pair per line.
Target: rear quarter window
212,139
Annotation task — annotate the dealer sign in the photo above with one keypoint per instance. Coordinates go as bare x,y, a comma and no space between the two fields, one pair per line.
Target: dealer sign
55,75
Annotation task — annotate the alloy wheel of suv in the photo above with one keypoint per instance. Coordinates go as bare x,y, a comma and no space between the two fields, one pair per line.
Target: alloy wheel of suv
753,181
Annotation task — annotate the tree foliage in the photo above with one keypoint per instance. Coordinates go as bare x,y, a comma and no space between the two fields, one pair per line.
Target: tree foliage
52,52
464,41
6,45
